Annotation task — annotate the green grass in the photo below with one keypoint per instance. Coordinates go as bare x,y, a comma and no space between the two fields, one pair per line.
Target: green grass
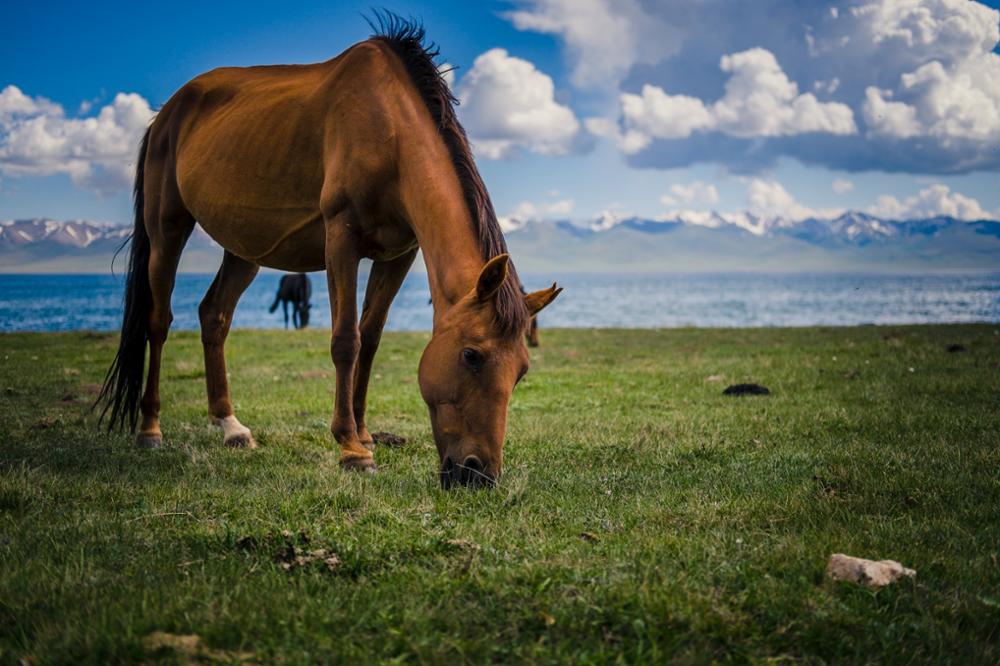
641,517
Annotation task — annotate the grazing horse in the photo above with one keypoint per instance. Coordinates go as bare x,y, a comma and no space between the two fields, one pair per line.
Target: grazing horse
297,290
310,167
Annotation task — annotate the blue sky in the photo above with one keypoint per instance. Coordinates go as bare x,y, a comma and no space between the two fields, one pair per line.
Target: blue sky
575,106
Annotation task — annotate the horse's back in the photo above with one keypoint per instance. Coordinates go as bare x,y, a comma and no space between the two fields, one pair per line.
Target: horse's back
253,147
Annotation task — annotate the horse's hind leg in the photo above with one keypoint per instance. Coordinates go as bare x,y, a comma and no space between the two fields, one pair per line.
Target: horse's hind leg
216,314
167,236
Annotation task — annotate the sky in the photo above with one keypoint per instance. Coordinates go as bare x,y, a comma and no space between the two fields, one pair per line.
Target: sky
575,108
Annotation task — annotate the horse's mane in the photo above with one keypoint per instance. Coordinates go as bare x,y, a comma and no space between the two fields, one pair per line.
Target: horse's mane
406,38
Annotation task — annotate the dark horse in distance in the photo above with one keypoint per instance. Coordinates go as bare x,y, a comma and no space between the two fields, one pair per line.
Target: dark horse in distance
297,290
316,167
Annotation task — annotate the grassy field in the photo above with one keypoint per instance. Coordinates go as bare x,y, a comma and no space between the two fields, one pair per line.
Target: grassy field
642,516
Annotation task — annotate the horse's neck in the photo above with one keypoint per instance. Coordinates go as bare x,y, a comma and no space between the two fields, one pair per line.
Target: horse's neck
440,218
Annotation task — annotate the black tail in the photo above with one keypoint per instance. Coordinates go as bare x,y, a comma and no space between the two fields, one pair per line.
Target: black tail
122,389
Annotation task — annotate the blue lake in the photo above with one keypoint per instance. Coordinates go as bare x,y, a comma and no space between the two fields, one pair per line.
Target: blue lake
74,302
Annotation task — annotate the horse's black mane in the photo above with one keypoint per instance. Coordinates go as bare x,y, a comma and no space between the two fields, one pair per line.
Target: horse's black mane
406,38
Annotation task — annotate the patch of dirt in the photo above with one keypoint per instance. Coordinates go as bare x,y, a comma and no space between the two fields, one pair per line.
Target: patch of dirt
955,348
388,439
315,374
894,338
44,423
853,373
294,554
292,557
715,378
462,544
746,389
190,647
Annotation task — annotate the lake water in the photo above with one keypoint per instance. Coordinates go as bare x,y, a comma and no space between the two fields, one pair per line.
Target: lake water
74,302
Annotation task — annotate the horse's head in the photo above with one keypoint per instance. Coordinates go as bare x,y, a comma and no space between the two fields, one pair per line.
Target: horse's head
467,374
304,314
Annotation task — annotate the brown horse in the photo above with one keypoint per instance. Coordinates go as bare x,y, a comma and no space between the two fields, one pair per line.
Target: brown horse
310,167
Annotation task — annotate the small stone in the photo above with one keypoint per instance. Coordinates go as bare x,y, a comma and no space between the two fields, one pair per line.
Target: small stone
873,574
715,378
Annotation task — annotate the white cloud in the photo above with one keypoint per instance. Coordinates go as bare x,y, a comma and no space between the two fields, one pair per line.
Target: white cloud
447,73
768,205
509,106
759,101
696,193
769,199
526,210
886,118
842,186
603,39
891,85
935,200
530,211
97,152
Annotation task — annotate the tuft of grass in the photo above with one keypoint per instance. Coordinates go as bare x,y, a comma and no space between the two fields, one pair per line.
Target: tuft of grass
642,515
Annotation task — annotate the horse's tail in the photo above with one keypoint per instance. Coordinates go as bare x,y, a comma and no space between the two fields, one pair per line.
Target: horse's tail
122,388
277,300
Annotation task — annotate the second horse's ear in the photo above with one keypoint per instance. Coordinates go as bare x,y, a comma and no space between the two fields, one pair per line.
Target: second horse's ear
492,276
537,300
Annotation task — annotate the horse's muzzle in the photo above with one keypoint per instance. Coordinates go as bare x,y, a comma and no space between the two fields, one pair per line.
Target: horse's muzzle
470,473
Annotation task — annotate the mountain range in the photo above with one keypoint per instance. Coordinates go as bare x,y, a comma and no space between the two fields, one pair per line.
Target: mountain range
690,241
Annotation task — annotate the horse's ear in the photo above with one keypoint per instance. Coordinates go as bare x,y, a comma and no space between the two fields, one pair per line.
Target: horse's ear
492,276
537,300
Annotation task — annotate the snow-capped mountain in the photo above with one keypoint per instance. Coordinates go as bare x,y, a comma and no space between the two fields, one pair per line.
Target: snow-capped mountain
744,241
74,233
609,241
43,245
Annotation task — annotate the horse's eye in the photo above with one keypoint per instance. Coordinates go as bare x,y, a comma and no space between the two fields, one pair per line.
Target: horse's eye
472,358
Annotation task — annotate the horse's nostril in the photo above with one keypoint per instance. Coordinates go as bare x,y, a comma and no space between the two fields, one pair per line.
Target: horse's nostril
473,464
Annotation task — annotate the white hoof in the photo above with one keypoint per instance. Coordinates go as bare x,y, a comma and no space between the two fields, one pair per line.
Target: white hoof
234,434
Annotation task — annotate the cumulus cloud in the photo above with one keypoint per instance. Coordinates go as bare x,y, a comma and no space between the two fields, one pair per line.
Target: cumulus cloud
768,205
696,193
932,201
527,210
759,101
97,152
769,198
509,106
891,85
842,186
603,39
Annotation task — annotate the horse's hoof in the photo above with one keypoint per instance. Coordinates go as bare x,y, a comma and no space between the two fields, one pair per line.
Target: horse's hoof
369,445
241,441
148,441
356,463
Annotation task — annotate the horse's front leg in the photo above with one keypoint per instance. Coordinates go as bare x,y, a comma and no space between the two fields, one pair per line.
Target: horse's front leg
384,282
342,259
